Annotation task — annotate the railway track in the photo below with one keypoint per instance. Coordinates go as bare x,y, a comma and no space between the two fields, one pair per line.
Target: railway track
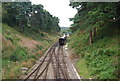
59,65
52,66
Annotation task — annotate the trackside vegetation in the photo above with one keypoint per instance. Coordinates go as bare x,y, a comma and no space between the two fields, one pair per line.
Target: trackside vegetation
95,39
27,32
21,50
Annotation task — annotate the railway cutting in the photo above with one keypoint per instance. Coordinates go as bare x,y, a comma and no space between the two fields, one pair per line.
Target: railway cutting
55,64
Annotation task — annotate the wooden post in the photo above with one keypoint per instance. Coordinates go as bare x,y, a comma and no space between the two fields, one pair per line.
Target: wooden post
94,32
91,38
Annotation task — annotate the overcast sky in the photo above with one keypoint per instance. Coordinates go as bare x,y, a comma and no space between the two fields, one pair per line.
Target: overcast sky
58,8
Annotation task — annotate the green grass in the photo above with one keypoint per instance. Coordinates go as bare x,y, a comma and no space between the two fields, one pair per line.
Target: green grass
15,56
20,54
101,57
82,69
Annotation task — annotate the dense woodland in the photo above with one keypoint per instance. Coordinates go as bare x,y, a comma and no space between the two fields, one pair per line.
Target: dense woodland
26,16
90,16
96,27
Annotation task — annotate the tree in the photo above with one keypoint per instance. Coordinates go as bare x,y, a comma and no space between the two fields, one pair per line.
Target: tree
25,15
91,16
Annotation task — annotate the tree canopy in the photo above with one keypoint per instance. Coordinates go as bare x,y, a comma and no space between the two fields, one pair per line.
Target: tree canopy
97,14
25,15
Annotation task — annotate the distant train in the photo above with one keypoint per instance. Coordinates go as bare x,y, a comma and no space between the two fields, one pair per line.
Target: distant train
62,40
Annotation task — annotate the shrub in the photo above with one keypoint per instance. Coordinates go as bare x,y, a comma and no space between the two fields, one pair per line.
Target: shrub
101,63
12,38
19,54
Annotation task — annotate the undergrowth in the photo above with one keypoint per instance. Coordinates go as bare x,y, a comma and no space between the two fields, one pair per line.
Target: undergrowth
16,56
101,57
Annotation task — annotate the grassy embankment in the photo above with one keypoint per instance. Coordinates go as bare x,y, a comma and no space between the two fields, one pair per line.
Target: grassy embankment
22,49
100,59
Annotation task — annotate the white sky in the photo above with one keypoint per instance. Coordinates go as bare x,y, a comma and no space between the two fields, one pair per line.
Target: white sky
58,8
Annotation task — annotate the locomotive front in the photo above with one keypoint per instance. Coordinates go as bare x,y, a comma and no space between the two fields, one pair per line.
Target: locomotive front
61,41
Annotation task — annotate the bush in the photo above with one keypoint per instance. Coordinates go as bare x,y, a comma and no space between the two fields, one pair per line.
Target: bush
101,63
9,37
12,38
19,54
